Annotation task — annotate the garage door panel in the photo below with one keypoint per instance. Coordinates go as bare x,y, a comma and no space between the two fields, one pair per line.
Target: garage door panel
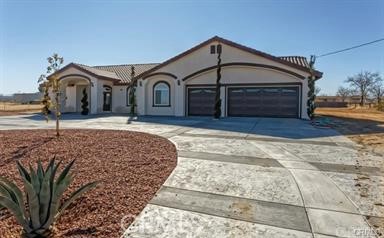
201,101
263,101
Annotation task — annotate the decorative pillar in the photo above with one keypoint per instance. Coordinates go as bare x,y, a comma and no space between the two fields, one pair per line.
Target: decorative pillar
94,96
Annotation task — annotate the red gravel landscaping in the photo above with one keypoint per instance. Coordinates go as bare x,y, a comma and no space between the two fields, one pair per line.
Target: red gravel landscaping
130,165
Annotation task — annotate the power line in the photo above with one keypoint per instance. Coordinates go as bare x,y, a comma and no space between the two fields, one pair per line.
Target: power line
350,48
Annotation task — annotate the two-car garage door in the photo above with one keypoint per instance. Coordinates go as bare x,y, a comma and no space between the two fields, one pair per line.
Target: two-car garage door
263,101
250,101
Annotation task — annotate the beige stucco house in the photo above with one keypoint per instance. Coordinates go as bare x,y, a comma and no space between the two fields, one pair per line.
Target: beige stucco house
253,83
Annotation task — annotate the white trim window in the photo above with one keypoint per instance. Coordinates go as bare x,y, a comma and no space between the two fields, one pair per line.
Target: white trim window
161,94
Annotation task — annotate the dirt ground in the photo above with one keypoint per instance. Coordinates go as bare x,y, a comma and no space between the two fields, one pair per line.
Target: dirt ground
365,126
362,125
9,108
130,168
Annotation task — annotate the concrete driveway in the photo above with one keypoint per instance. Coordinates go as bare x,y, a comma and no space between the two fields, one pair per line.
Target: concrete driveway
248,177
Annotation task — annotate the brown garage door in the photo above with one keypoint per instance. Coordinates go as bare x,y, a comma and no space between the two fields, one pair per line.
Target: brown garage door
263,101
201,101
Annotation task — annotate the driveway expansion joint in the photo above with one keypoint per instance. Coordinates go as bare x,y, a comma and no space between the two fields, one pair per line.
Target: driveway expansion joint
249,160
251,137
261,212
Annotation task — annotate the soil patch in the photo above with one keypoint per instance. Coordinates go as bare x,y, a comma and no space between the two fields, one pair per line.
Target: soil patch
130,166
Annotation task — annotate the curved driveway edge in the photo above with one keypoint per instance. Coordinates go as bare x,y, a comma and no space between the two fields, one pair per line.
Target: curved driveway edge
248,177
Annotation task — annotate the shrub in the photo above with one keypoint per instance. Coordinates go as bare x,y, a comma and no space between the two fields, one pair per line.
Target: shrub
43,195
84,103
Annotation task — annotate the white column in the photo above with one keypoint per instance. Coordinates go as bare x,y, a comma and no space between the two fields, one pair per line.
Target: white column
179,98
223,100
304,97
140,97
94,96
70,101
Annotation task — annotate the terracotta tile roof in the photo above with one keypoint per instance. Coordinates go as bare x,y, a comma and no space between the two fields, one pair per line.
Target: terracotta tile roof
120,73
299,60
102,73
124,71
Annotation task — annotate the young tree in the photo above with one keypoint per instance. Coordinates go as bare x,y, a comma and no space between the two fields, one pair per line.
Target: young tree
343,92
132,92
84,103
363,83
51,83
46,100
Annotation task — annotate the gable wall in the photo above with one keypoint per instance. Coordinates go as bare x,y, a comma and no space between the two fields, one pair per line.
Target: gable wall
201,59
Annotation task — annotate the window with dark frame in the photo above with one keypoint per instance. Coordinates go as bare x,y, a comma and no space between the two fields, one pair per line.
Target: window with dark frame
213,49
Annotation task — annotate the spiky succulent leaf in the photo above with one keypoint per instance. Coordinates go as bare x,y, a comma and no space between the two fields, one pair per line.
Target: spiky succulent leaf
4,191
33,200
16,211
17,192
65,172
58,192
45,195
51,164
23,172
40,171
34,179
76,195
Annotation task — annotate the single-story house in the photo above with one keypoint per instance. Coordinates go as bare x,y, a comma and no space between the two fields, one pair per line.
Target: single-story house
253,83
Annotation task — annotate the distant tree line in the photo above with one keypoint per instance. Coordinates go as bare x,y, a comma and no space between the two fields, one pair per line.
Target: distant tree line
365,85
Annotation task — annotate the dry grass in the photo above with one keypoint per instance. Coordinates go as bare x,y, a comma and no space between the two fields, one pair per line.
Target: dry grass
9,108
362,125
353,113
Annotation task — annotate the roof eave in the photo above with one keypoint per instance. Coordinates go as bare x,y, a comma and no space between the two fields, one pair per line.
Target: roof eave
83,70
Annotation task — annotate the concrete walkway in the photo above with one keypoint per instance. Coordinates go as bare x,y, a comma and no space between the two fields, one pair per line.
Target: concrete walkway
247,177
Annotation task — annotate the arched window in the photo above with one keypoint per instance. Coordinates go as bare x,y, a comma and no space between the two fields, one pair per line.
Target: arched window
161,94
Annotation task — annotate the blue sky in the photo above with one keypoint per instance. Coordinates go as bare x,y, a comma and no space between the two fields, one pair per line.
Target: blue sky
118,32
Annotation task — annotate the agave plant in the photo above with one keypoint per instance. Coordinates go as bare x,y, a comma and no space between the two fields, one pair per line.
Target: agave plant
43,197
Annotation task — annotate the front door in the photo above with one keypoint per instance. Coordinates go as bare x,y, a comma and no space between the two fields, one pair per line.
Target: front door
107,101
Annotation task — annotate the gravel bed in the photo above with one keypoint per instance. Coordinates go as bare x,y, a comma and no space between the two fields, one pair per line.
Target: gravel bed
130,166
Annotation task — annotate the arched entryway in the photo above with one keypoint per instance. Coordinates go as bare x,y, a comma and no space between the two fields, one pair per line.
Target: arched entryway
72,91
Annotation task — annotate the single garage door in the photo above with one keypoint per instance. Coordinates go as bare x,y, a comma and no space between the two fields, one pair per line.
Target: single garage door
263,101
201,101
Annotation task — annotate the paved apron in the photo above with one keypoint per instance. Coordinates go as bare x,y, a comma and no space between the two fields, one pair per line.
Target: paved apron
247,177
